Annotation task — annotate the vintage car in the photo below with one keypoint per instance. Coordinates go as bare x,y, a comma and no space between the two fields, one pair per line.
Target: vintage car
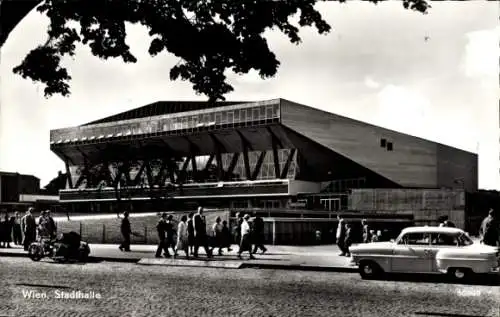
440,250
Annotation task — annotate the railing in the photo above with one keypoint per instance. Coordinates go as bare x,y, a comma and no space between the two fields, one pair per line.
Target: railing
191,190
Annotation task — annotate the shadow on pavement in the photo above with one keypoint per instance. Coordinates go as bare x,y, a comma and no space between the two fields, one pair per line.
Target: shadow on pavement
420,313
42,285
483,280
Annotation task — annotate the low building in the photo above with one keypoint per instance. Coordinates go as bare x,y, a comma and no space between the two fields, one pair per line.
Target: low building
19,192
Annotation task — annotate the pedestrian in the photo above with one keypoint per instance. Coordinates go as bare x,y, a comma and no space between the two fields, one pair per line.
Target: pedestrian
5,231
226,237
489,231
43,226
126,231
170,231
28,227
245,243
51,225
161,229
217,234
348,239
237,228
340,236
182,237
190,232
258,234
366,231
200,233
16,228
374,237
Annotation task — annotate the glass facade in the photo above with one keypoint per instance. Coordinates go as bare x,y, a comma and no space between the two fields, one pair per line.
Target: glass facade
213,119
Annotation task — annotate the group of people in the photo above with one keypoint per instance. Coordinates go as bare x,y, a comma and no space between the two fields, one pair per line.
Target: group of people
23,230
191,233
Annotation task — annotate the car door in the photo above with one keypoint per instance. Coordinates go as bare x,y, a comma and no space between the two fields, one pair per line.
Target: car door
440,241
411,254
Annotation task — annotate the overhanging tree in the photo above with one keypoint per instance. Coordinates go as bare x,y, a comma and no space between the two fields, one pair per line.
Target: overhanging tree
209,37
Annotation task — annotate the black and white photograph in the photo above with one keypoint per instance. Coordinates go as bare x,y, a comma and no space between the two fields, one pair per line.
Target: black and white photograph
261,158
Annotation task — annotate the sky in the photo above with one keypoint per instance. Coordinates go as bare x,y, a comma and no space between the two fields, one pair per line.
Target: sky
435,76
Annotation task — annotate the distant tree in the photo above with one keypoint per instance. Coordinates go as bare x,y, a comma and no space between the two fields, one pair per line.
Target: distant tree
209,37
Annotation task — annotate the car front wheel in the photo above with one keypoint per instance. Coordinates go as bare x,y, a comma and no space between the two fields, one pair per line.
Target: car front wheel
369,270
459,274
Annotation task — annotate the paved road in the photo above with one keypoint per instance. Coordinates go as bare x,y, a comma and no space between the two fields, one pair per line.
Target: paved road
128,289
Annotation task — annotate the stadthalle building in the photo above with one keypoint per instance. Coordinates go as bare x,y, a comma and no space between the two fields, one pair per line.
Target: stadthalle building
268,154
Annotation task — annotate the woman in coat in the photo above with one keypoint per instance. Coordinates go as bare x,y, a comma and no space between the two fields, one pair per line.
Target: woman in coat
182,237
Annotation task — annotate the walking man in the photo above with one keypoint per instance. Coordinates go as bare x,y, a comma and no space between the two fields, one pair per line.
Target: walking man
258,234
348,239
366,231
200,233
51,225
245,244
16,228
190,232
490,231
340,236
237,228
170,231
126,231
28,227
161,228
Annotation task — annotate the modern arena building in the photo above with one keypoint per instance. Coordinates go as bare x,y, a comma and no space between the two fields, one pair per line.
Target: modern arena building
273,155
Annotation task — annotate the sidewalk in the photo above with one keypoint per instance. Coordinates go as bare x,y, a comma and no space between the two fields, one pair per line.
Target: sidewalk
321,258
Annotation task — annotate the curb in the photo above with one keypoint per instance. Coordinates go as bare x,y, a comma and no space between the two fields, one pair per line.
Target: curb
300,267
244,265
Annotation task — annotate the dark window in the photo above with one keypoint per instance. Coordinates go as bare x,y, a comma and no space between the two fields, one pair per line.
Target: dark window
383,142
389,146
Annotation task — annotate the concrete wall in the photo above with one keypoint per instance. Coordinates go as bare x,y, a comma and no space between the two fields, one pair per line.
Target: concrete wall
427,205
295,187
413,162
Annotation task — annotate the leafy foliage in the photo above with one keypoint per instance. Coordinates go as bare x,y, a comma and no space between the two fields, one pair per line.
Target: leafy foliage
209,36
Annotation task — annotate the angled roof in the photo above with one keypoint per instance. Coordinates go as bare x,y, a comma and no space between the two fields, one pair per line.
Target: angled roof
164,107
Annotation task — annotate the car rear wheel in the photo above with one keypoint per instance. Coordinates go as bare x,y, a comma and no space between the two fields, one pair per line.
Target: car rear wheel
459,274
369,269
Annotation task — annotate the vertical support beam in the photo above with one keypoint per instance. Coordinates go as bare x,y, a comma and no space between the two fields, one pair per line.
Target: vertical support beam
68,175
289,160
219,148
232,165
276,159
247,163
260,160
275,143
246,146
160,179
138,176
182,173
210,160
171,171
149,173
193,165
